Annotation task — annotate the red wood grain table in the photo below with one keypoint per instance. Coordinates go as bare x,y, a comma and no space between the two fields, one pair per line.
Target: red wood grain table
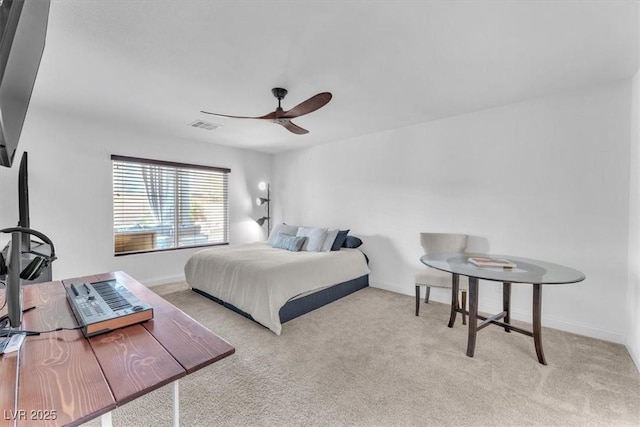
63,378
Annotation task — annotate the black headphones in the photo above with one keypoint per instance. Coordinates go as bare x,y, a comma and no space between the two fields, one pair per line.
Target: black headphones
37,264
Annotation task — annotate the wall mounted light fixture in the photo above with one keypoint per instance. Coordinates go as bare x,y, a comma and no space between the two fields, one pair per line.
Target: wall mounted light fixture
262,201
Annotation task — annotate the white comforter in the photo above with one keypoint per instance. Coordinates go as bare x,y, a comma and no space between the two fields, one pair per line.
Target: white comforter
259,279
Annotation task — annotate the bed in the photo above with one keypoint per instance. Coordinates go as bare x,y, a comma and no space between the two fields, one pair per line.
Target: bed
271,285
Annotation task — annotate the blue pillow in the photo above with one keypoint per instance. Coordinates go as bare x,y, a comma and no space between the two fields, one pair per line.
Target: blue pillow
340,238
352,242
281,228
290,243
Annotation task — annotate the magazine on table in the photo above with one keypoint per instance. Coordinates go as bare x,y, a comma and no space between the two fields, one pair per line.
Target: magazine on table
491,262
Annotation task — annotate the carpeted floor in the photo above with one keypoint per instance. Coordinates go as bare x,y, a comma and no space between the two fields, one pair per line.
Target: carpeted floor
367,360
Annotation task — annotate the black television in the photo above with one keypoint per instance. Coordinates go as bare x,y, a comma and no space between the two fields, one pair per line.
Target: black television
23,24
23,201
13,291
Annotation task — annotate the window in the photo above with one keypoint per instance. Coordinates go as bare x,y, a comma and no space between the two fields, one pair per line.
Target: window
161,205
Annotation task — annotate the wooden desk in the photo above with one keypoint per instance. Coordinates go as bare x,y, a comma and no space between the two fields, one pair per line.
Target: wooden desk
62,378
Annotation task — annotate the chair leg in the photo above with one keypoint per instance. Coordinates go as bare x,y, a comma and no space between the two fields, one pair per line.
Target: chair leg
418,300
426,295
464,307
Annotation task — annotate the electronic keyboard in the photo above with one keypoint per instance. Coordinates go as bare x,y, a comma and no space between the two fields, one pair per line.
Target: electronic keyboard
105,306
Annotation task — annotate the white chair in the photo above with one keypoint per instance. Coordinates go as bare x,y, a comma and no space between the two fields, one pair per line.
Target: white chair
430,277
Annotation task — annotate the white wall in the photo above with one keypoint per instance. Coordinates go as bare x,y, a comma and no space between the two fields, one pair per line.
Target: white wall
546,179
71,191
633,288
633,291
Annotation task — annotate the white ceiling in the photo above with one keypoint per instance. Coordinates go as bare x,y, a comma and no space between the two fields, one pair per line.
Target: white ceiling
389,64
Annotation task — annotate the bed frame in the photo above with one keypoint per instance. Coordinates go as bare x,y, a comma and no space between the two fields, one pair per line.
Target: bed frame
298,306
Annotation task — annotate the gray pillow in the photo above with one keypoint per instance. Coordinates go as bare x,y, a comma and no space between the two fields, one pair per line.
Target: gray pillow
290,243
332,233
281,228
316,237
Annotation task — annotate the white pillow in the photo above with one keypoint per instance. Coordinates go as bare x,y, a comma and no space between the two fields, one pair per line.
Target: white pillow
283,228
332,233
315,238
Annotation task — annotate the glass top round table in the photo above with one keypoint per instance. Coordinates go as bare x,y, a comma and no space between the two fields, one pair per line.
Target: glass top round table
525,270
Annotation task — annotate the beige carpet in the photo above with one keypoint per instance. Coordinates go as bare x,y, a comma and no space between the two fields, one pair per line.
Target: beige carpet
366,360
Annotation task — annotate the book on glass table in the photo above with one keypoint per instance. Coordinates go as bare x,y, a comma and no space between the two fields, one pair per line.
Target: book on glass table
491,262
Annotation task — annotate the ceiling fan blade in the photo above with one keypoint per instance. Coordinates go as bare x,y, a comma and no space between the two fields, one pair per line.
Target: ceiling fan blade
292,127
270,116
308,106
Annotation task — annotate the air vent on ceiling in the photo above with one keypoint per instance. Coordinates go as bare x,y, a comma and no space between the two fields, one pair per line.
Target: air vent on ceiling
204,125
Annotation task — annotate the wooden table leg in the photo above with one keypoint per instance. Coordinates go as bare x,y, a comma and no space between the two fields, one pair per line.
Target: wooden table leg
506,304
537,322
473,315
464,307
455,287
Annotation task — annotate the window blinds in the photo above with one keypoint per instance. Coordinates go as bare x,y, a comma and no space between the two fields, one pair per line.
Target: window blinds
160,205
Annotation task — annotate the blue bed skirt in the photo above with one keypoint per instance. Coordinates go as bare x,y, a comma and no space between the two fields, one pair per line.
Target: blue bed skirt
299,306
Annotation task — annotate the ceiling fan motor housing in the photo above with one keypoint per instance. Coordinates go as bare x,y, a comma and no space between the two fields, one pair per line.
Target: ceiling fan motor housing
279,92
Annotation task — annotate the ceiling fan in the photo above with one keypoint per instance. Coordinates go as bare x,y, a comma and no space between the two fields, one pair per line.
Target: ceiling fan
282,117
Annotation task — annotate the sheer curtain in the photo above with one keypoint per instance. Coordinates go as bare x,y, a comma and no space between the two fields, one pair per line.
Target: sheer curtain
159,184
153,183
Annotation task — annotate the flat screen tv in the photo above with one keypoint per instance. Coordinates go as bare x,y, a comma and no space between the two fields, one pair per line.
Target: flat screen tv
23,26
23,201
13,291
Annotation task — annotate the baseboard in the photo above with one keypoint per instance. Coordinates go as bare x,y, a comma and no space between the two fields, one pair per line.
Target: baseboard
547,321
563,325
635,357
163,281
391,288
